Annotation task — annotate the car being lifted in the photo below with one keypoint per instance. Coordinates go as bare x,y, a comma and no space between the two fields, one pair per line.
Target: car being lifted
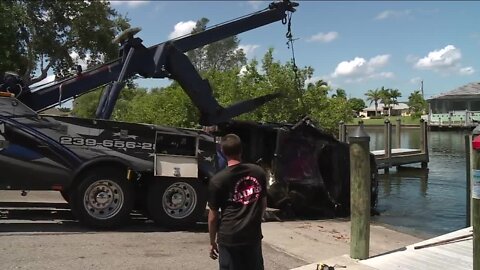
309,169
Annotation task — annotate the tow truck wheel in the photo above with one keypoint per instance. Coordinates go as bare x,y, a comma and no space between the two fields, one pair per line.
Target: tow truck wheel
176,204
103,199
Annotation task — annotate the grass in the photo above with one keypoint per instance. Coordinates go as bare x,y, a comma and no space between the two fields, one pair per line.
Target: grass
405,120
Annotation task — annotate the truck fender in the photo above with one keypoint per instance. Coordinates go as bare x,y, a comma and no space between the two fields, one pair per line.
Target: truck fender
98,162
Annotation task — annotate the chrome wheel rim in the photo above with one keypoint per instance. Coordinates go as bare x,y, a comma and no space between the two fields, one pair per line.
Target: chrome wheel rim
103,199
179,200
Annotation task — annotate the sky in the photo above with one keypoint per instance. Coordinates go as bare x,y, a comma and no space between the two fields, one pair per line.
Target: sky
353,45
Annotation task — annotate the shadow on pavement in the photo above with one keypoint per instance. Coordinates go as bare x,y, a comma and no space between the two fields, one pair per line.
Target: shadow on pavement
56,218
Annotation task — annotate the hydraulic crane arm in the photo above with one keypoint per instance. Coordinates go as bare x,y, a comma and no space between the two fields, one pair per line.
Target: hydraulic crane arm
166,59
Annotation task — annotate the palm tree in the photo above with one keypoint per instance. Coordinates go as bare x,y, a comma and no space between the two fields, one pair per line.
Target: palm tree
373,96
385,96
394,95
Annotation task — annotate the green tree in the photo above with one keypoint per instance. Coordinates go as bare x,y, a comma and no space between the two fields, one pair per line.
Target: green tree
394,95
374,96
171,106
340,93
389,97
417,104
357,104
221,55
41,35
85,105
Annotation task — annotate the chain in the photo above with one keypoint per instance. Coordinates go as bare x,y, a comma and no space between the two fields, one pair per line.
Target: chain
290,41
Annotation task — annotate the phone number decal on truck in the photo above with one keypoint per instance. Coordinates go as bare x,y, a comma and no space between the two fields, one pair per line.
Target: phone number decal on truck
79,141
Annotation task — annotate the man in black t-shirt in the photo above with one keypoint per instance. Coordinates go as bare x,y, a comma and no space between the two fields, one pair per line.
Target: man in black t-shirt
237,201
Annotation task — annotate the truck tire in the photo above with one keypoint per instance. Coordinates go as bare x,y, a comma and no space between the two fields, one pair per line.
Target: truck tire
103,198
176,204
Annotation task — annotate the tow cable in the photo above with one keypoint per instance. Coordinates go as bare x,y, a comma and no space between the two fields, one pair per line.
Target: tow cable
290,41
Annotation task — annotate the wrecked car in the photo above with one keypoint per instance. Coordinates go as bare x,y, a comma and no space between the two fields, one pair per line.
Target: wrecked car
308,169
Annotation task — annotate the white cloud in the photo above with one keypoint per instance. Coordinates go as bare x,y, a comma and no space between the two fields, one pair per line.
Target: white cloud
249,49
442,59
324,37
446,61
132,4
348,68
386,14
182,28
467,71
361,68
378,61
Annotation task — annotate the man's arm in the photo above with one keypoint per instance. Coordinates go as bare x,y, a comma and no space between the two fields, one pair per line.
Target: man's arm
212,230
213,225
264,205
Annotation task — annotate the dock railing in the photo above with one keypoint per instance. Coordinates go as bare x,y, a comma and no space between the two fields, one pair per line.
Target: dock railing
389,156
452,119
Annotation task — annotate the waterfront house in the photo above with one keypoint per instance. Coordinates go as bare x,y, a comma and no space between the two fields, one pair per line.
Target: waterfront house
382,110
466,97
458,107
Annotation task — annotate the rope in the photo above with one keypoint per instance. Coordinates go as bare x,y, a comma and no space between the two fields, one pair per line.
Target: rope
290,41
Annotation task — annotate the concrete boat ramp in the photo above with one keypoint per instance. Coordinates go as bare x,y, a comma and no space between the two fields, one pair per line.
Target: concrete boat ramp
449,251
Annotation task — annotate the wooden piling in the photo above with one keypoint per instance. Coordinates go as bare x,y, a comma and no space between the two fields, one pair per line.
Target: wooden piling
468,151
475,173
424,142
387,132
398,130
360,193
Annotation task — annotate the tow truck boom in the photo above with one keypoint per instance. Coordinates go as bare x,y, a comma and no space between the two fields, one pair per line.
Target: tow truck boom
163,60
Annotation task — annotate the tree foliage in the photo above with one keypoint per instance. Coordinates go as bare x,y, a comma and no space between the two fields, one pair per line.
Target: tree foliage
221,55
417,104
41,35
357,104
389,97
374,97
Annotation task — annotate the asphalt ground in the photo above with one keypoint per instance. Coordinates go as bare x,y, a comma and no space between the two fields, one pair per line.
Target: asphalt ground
39,232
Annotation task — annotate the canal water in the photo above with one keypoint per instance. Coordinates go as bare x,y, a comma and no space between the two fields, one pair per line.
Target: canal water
424,202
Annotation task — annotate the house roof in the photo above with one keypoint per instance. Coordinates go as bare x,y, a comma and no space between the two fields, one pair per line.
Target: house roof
465,91
399,106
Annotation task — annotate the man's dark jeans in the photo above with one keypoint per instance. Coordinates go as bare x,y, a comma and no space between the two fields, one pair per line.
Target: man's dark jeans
245,257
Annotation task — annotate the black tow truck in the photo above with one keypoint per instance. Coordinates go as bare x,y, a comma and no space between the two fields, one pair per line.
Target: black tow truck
102,167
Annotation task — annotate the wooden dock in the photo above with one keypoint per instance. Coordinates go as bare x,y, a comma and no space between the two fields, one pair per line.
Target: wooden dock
389,156
398,157
449,251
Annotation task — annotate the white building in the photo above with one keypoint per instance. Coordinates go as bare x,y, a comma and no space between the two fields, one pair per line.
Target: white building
400,109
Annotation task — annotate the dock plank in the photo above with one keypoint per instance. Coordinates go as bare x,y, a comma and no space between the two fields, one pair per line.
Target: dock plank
396,151
452,255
